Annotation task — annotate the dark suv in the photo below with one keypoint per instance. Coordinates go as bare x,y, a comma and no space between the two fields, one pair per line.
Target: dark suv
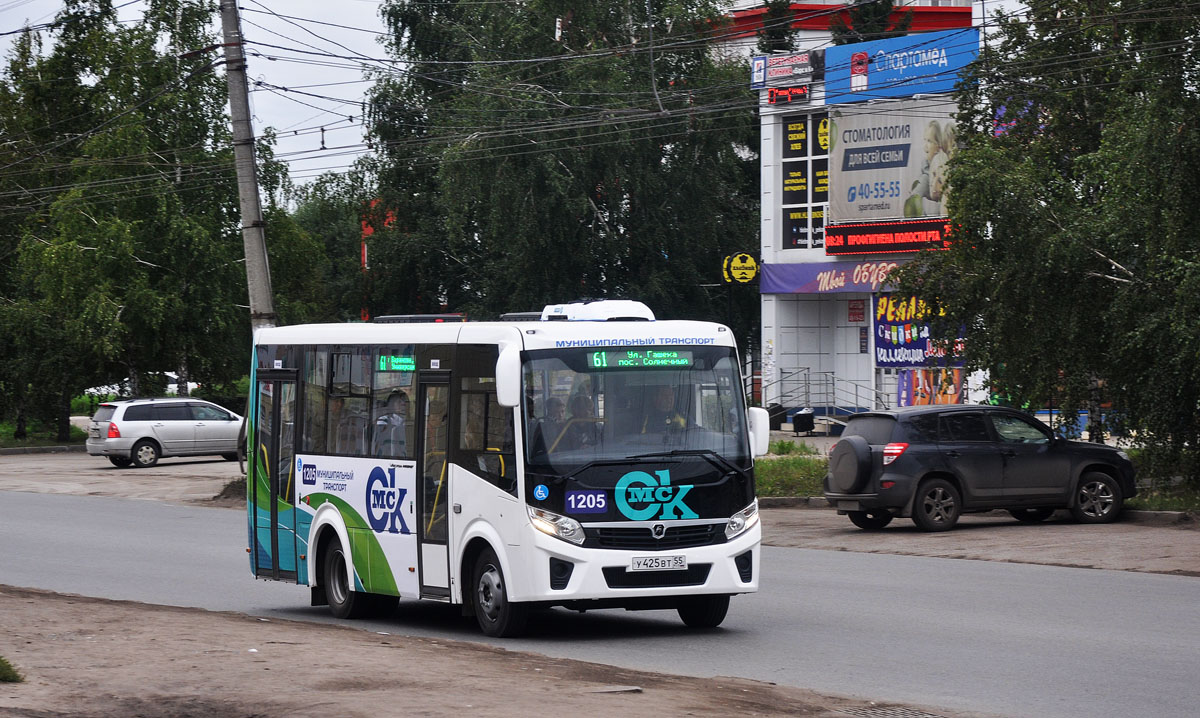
932,463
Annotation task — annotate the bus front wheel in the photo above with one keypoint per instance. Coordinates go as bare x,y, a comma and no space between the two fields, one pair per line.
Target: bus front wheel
703,611
497,616
343,602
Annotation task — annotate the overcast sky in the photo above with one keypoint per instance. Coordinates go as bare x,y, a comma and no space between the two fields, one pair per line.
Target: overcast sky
298,118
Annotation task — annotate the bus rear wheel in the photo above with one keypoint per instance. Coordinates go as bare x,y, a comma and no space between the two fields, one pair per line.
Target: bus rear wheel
703,611
497,616
343,602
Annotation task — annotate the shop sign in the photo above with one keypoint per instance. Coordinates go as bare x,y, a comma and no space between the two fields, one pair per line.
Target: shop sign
787,70
857,310
826,277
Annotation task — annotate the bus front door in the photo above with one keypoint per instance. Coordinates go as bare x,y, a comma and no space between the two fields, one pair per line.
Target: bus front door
433,474
272,475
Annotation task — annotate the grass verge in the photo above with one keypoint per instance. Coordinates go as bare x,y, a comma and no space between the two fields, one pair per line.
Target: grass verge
790,475
1172,498
8,674
38,434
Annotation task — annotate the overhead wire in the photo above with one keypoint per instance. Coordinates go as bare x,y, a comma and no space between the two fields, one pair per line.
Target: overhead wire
587,122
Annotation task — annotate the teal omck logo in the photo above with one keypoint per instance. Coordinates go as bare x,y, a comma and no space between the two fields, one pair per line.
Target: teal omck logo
650,495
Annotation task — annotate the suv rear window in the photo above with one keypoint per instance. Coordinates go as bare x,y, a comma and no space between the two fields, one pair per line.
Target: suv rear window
876,430
964,427
104,412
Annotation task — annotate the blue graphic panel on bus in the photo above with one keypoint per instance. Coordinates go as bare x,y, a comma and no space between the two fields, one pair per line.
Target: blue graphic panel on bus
642,497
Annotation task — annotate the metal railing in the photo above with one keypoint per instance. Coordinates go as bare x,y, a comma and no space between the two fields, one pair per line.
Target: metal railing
823,392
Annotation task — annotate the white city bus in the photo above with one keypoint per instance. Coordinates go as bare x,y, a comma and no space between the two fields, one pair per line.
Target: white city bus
589,457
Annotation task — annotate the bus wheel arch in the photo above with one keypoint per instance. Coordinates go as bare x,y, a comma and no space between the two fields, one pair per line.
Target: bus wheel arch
327,526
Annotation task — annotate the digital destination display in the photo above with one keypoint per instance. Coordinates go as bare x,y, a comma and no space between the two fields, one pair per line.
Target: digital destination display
640,359
392,362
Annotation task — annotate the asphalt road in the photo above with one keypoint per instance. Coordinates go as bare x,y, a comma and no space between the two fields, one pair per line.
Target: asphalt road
997,638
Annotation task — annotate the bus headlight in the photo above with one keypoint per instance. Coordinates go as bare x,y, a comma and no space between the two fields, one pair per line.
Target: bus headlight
742,520
563,527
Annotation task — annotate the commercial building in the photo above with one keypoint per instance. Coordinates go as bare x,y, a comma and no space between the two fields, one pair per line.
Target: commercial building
854,145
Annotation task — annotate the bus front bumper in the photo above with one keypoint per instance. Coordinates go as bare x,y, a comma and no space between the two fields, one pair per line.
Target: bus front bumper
562,572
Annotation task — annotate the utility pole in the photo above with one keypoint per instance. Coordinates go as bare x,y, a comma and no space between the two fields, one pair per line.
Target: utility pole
258,274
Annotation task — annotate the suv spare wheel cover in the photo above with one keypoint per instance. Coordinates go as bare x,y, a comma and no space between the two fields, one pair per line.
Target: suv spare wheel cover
850,464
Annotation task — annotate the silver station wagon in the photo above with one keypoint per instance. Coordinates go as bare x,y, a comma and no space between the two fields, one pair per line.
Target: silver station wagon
139,432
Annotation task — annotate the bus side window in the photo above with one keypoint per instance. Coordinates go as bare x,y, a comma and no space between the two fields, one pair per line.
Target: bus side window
348,403
316,386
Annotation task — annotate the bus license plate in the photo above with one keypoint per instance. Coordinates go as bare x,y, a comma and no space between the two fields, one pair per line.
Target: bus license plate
659,563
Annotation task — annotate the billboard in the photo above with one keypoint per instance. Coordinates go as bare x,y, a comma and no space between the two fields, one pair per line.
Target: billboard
927,63
889,161
902,335
922,387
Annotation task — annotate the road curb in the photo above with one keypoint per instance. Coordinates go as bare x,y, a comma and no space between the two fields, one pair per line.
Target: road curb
1179,519
42,450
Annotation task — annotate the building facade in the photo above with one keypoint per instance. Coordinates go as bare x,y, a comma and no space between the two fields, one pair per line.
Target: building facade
854,145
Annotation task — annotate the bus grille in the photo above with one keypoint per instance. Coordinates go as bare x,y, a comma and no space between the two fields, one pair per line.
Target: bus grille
639,538
618,577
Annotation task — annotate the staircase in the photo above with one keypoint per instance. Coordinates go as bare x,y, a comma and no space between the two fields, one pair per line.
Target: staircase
832,399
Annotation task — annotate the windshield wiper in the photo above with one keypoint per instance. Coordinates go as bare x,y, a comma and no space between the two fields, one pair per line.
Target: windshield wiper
581,467
707,454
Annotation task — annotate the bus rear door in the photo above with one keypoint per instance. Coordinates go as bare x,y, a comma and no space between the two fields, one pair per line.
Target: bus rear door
273,475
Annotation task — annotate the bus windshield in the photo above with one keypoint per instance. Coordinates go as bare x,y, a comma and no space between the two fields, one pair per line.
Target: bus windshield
604,404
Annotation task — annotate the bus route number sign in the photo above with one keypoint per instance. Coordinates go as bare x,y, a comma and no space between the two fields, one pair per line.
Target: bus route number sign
392,362
640,359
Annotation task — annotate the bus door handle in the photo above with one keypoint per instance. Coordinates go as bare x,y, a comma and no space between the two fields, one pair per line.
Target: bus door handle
458,508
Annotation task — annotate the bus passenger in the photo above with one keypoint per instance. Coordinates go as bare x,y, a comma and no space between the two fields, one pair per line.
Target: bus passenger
553,424
581,430
662,416
391,426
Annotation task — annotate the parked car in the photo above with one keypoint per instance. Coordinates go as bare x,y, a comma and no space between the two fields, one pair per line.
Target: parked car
933,463
141,431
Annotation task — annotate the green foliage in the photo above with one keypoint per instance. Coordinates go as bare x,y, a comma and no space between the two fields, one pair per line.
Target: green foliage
1077,273
1171,498
119,244
776,34
783,447
869,21
790,475
85,404
8,674
595,173
39,433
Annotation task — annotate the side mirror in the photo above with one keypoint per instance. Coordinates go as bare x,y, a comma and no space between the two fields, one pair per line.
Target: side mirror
508,376
760,430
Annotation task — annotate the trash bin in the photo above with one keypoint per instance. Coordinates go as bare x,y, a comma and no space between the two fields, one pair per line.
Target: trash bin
802,420
776,414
